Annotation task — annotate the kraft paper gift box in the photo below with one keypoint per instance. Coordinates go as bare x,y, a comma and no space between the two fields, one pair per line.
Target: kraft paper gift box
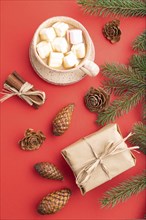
99,157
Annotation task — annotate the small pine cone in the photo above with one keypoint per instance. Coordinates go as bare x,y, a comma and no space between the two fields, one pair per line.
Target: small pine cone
111,31
96,100
32,140
62,120
48,170
54,201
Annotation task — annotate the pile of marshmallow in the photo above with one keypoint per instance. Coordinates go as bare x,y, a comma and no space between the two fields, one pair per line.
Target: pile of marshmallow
62,46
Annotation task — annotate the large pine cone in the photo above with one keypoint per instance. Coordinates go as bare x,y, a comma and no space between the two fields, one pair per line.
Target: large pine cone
96,100
32,140
111,31
62,120
48,170
54,201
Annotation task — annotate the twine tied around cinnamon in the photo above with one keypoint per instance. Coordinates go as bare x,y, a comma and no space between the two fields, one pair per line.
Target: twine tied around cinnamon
24,93
111,149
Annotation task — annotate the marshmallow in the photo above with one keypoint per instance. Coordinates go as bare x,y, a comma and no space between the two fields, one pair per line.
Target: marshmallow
47,34
43,48
60,28
69,60
75,36
78,62
55,59
60,44
79,50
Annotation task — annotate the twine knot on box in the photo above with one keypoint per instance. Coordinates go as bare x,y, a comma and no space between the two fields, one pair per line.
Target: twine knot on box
111,149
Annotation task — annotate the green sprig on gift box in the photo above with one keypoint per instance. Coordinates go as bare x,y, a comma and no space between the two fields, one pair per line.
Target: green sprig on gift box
124,190
139,136
116,7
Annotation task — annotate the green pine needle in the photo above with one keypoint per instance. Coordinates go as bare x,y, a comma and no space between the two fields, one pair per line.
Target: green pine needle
140,42
124,190
138,62
120,77
116,7
128,82
144,112
139,136
121,106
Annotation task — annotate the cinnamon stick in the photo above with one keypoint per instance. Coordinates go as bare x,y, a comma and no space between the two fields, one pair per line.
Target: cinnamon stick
35,98
16,81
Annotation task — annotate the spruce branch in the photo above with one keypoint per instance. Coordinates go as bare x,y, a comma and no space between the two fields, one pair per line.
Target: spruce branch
121,78
118,7
124,190
140,42
121,106
128,82
139,136
138,62
144,112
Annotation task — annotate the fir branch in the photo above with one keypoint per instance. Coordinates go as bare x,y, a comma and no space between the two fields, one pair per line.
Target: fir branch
126,81
138,62
121,78
124,190
118,7
140,42
139,136
121,106
144,112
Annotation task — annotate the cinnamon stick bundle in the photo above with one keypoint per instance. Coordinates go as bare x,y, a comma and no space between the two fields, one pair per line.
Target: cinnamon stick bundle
18,86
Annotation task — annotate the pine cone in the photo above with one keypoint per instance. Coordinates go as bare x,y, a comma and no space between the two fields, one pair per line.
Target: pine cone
54,201
32,140
62,120
48,170
111,31
96,100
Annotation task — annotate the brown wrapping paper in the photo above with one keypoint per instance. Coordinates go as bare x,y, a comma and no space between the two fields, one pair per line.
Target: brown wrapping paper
99,157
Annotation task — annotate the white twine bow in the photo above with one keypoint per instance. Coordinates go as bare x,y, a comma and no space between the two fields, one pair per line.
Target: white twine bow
111,149
23,93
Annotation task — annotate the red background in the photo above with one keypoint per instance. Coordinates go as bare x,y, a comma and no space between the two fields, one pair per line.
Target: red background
21,187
